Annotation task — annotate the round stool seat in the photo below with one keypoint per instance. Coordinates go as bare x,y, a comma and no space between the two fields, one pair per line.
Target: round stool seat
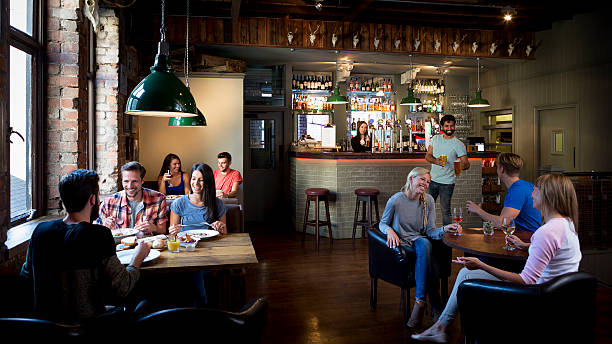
367,192
317,192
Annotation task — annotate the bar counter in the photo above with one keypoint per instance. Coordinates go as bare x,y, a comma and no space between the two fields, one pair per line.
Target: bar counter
343,172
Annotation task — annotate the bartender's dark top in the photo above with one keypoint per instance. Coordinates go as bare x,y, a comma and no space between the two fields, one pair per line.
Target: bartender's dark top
75,270
357,146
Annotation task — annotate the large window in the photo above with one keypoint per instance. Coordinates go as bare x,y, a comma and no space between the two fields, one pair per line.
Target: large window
25,116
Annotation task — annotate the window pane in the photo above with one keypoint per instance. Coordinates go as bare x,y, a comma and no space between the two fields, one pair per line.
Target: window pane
264,85
20,121
21,15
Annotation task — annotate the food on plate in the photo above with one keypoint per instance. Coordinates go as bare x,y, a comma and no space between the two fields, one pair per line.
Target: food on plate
159,243
172,197
121,247
187,238
117,233
130,241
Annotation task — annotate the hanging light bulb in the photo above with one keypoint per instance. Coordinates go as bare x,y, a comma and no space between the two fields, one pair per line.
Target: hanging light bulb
478,101
508,12
410,99
199,120
161,93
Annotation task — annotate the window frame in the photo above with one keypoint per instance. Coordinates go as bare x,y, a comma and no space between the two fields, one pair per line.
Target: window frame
35,47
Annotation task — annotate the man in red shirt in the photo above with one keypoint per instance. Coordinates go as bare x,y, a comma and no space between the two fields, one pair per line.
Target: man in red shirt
226,179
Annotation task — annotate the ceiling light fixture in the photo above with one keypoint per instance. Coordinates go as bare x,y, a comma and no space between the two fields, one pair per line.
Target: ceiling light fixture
508,12
161,93
410,99
336,98
478,101
319,5
199,120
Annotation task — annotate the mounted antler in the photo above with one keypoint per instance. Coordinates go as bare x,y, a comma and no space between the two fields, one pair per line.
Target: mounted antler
437,45
417,42
334,38
492,47
474,47
512,45
532,47
313,35
457,44
290,36
356,37
377,39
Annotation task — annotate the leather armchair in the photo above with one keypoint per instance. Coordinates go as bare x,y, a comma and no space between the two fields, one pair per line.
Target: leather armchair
212,325
395,266
561,310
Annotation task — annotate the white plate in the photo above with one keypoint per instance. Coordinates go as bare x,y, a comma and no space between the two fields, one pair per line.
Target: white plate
200,234
152,238
172,197
125,257
121,233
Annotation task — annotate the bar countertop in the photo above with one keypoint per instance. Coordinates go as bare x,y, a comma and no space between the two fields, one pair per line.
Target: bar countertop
352,155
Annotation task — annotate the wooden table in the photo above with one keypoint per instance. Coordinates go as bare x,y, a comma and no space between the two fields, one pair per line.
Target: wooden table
224,252
474,242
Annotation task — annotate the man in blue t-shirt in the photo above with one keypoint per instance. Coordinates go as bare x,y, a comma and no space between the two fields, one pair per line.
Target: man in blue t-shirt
442,169
518,204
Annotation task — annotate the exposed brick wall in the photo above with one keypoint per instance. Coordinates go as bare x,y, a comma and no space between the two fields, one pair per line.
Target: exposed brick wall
343,177
67,45
110,154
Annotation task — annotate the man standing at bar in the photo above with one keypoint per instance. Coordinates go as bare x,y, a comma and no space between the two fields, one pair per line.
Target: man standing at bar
72,263
135,207
227,180
443,150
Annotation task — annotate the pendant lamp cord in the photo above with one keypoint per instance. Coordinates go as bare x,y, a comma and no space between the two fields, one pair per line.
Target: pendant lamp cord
186,60
478,59
163,21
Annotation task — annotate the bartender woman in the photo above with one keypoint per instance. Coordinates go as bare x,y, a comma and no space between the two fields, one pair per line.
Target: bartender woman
361,141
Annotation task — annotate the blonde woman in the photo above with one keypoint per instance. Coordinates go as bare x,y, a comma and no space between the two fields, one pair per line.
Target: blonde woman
408,220
554,249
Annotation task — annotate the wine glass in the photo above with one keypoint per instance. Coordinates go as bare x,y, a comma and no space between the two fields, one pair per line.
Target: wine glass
458,217
508,226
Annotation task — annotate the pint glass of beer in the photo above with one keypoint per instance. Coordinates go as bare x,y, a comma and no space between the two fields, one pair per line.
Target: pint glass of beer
457,167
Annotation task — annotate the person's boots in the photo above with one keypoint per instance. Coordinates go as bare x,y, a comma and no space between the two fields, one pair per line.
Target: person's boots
416,318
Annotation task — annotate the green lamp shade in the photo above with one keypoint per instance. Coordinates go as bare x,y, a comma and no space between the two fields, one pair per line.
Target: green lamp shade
161,94
411,99
198,121
336,98
478,101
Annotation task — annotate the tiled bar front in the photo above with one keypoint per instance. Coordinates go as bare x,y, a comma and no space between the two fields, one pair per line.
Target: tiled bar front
343,176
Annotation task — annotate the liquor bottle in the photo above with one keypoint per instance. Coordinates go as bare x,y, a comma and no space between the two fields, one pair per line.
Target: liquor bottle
353,125
377,86
367,87
442,87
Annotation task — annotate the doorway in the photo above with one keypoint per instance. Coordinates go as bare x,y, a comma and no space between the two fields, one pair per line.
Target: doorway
263,166
557,130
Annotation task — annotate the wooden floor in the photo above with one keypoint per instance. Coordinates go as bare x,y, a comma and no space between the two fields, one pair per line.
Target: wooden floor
323,297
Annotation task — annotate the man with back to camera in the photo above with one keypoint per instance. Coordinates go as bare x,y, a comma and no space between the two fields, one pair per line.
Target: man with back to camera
442,170
227,180
518,204
135,207
72,262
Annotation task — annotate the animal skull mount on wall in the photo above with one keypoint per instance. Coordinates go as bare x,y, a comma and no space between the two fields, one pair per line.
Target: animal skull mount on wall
513,45
312,36
528,49
492,48
92,13
290,36
437,45
457,44
397,43
417,43
474,47
356,36
376,42
334,39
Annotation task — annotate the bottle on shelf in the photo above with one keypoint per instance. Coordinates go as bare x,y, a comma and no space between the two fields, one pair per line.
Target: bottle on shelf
363,85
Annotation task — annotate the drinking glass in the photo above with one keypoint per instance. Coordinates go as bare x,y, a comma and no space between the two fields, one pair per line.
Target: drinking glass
487,228
174,244
508,227
458,217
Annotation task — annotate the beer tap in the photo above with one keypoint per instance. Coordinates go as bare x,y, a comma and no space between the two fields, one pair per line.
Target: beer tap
409,125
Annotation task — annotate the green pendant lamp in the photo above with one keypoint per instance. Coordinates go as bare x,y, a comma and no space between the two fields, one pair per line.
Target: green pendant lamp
478,101
410,99
161,93
336,98
186,122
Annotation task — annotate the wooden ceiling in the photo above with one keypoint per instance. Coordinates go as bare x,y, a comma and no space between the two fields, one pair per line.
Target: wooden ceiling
531,15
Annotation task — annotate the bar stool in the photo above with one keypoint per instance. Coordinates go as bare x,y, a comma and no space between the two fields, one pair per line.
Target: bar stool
317,195
367,196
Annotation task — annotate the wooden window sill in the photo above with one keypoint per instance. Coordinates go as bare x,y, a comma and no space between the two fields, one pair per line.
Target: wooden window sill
17,238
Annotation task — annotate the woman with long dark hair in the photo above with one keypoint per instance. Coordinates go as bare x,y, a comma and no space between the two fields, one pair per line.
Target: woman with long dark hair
200,205
554,249
361,141
171,180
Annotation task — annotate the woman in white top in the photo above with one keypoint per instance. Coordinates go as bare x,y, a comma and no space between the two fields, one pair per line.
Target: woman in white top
554,249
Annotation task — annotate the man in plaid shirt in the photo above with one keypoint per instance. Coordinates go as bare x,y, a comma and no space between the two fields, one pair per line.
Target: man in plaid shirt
135,206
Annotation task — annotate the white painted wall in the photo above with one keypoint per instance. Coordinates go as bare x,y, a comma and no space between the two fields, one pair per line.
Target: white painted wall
573,66
221,101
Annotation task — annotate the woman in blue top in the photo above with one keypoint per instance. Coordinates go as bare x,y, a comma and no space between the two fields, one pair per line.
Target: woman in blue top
200,205
409,220
171,179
